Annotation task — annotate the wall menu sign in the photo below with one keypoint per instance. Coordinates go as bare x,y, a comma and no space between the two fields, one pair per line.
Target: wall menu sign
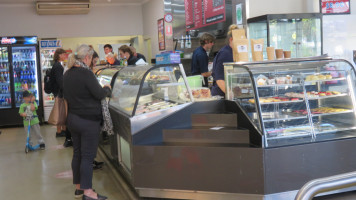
161,36
335,6
201,13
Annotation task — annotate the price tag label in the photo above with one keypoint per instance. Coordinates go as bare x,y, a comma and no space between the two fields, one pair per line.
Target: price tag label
257,47
241,48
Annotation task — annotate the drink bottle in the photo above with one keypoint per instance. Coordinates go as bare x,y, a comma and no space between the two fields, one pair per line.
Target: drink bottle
125,61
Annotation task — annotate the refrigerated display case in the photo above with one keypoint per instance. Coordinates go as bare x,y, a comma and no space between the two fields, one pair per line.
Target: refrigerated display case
299,33
142,96
20,71
105,76
284,123
47,49
296,102
5,76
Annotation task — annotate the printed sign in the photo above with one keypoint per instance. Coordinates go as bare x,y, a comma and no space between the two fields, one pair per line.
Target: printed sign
50,43
239,13
19,40
201,13
257,47
161,38
335,6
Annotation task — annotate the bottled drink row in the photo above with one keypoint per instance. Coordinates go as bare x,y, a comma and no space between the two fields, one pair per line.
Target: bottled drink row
19,97
5,89
24,65
24,75
4,66
25,85
4,77
5,101
3,54
23,54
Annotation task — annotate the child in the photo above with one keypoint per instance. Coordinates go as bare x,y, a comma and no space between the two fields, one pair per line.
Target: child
28,108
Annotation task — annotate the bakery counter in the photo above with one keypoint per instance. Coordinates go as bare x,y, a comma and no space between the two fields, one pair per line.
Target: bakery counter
295,98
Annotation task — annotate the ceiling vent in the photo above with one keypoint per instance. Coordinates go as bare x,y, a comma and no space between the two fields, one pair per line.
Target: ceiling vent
62,8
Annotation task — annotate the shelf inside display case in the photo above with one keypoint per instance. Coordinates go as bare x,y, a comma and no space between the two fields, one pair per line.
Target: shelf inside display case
320,96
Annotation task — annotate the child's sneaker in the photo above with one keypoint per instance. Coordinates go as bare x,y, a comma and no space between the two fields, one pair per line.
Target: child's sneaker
42,146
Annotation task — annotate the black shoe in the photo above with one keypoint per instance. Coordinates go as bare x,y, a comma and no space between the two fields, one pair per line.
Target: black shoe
78,193
97,167
89,198
42,146
61,134
68,143
98,163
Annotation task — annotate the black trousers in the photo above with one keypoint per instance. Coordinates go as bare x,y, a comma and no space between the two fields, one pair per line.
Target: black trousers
85,136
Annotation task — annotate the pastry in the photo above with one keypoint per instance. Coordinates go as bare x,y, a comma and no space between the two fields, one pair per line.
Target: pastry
321,77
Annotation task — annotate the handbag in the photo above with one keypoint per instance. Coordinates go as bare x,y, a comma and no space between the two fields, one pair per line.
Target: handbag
59,112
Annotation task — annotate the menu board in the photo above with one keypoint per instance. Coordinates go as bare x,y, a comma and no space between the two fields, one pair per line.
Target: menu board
201,13
335,6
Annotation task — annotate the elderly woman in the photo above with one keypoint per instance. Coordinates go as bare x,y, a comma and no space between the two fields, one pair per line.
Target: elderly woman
83,94
125,52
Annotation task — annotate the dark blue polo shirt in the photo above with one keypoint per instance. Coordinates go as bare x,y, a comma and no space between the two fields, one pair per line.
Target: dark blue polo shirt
200,61
224,55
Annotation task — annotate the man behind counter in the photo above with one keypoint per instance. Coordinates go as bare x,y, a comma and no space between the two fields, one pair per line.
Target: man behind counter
108,49
200,59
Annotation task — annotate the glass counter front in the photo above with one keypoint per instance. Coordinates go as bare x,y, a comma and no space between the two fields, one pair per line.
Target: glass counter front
144,89
293,102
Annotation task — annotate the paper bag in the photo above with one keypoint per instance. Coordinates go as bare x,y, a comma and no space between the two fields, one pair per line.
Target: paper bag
240,50
59,112
257,49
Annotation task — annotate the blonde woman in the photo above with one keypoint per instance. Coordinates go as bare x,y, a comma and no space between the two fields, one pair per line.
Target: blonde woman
224,55
83,94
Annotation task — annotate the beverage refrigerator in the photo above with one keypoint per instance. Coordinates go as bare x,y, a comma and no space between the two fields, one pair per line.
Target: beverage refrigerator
19,71
47,49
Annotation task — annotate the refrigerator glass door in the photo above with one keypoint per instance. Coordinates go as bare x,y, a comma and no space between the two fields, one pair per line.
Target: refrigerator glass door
25,72
46,64
5,89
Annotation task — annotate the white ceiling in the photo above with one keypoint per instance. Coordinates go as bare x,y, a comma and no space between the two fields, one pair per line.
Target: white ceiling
92,1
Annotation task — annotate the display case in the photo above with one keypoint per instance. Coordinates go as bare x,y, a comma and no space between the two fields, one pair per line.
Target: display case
105,74
142,96
295,101
143,89
299,33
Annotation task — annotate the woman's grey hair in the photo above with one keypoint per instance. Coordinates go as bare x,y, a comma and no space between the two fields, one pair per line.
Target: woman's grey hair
80,53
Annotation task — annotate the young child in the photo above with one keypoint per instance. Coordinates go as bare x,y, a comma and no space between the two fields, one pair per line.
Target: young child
28,108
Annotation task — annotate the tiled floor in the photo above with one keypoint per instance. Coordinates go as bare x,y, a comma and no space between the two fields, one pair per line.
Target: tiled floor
45,174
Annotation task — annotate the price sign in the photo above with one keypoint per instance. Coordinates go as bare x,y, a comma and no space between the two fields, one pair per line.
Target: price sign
335,6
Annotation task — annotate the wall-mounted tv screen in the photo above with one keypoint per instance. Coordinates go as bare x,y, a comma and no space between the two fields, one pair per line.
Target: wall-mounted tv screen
202,13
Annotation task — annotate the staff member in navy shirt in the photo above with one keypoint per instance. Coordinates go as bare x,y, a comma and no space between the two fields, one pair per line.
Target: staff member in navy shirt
200,58
224,55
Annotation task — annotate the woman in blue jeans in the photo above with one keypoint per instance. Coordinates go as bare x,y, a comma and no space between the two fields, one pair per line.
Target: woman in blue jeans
83,94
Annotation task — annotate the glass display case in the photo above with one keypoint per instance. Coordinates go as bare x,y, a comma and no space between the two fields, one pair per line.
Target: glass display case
299,33
296,101
105,74
143,89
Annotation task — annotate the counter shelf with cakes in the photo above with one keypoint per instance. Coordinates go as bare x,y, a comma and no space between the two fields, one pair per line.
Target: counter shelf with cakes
296,101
